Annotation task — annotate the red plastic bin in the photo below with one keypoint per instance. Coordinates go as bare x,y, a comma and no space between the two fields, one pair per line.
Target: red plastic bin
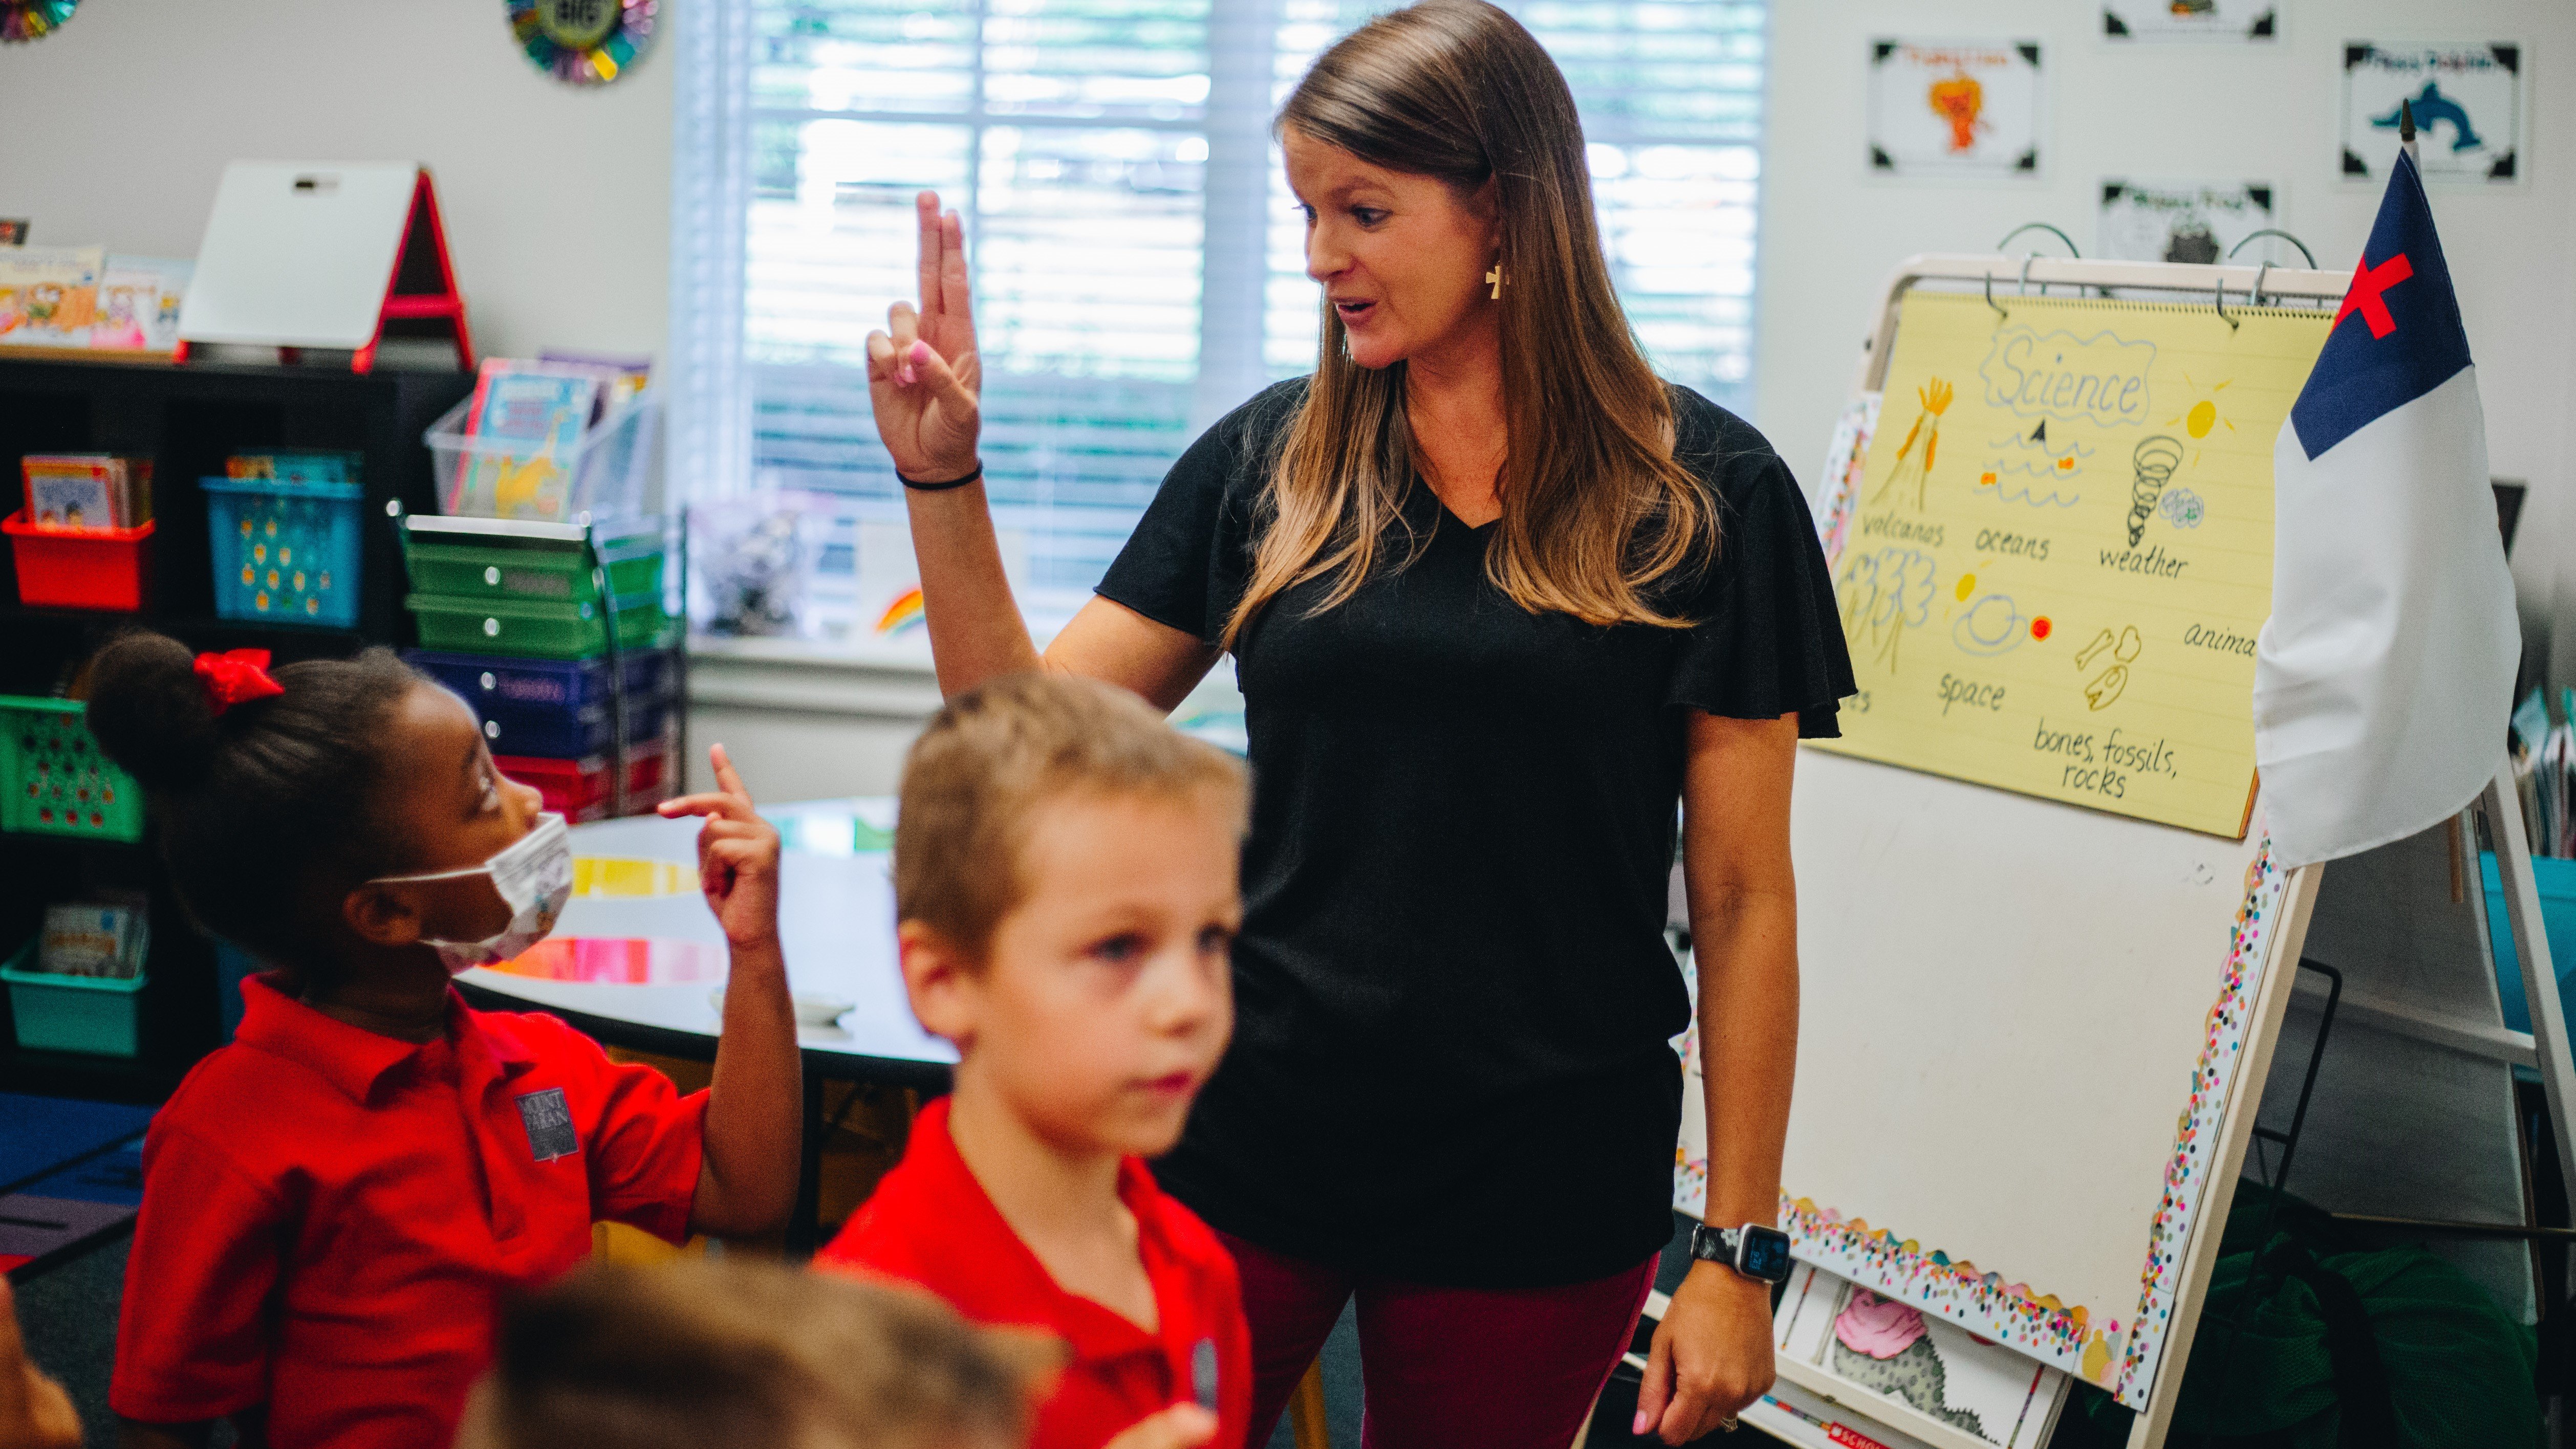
579,789
79,568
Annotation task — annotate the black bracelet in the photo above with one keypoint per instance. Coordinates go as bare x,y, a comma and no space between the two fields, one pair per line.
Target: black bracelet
918,486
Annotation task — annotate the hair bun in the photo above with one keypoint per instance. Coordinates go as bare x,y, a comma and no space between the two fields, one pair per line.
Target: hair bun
148,708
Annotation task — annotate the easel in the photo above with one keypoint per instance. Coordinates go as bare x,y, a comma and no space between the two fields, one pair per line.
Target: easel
2218,285
319,255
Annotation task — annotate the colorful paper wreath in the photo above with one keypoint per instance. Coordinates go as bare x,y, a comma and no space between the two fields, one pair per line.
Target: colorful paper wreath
22,20
580,42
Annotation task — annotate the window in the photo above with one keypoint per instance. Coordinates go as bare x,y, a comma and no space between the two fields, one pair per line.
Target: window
1138,261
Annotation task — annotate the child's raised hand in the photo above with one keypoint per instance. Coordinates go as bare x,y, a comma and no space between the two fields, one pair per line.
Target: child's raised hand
1182,1426
737,856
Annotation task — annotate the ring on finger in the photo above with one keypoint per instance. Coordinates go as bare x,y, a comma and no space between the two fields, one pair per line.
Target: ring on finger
1728,1425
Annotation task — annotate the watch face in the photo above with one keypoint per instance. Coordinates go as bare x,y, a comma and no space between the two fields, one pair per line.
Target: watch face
1765,1254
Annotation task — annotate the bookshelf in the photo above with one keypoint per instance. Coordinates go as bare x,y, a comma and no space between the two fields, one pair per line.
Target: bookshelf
187,419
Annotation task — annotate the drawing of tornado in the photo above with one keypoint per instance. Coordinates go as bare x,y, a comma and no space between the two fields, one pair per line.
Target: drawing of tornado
2154,462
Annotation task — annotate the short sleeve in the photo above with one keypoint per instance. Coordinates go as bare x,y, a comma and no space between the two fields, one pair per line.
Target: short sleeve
645,1147
192,1334
1190,557
1769,637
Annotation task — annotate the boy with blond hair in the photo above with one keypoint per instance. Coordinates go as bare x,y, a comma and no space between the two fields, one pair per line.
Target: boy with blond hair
1065,869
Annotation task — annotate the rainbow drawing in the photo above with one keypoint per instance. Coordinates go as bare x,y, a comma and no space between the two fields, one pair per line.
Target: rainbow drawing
904,613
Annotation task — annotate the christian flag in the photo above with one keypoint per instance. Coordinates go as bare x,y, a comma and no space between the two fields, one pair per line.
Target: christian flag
2384,678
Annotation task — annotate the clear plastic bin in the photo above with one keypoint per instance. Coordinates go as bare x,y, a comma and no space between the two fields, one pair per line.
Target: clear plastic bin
606,475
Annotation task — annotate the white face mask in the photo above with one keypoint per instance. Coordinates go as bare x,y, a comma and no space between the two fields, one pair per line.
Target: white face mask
533,877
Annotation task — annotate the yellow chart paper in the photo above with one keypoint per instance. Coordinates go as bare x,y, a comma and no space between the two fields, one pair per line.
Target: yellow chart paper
2060,549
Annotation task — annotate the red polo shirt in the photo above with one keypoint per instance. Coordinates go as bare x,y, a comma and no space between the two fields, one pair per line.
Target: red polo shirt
931,1223
331,1217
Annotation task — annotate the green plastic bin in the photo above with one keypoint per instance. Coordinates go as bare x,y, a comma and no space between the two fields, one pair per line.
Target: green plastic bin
54,780
537,629
539,570
92,1014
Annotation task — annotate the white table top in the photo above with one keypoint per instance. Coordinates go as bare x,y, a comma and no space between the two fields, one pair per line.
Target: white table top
637,946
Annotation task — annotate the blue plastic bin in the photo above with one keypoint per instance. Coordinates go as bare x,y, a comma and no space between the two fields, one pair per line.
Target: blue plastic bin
284,552
2557,882
576,686
56,1013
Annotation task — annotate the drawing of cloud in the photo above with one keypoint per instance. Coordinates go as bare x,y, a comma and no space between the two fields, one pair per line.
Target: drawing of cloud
2181,507
2101,379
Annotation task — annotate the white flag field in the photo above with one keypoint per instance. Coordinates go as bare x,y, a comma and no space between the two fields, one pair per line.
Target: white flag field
2384,679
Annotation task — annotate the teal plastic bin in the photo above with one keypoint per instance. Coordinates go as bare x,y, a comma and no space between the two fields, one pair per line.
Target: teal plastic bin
71,1013
2557,882
284,553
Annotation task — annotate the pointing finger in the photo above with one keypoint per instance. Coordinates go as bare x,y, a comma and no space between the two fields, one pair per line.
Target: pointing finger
727,778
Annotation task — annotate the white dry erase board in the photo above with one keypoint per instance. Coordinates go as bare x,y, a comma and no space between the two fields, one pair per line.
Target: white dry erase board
299,253
2033,1033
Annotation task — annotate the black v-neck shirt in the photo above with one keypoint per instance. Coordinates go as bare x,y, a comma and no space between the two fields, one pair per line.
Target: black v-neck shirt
1454,1003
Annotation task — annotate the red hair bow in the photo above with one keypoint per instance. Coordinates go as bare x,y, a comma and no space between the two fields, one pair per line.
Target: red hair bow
236,676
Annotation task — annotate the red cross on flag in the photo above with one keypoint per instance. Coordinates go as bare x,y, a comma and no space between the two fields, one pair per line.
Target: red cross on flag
2383,681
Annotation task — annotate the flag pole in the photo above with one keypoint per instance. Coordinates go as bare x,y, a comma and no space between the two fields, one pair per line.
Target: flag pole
2406,134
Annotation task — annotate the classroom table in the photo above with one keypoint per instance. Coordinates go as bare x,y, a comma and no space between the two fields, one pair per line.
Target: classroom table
637,960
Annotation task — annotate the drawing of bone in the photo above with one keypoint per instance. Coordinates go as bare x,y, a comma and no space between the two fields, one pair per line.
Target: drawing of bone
2105,687
2154,462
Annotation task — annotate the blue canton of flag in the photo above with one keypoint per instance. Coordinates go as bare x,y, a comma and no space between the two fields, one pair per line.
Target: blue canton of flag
2409,340
2383,680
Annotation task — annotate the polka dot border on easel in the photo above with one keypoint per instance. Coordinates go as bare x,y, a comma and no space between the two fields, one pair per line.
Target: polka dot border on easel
2061,1335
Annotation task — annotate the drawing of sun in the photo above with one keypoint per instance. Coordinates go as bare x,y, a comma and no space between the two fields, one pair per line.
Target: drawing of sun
2203,415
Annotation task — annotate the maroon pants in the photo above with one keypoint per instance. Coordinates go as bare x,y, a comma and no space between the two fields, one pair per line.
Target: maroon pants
1441,1367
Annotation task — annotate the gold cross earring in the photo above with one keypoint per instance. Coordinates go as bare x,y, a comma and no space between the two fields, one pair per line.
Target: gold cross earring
1496,277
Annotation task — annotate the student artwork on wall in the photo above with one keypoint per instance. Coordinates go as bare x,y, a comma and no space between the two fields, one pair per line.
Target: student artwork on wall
24,20
2060,549
1955,109
2236,21
582,42
2180,221
2471,101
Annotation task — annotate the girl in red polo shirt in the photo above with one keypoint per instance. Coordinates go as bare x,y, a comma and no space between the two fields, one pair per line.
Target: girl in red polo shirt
335,1205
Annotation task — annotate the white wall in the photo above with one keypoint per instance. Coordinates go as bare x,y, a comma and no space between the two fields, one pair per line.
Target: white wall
557,200
1831,233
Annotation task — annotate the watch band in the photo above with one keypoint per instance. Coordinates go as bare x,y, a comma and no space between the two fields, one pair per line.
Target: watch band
1727,1246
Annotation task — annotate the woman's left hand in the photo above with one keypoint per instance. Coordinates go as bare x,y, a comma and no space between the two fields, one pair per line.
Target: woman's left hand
1711,1356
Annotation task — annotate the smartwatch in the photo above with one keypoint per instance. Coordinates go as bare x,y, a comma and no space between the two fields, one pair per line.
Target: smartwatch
1759,1253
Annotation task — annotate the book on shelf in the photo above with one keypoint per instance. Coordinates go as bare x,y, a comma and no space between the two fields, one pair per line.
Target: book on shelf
49,295
301,466
138,303
95,938
87,490
538,415
620,377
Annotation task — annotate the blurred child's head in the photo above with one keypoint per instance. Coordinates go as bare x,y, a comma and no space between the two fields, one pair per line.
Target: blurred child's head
737,1354
1065,876
279,816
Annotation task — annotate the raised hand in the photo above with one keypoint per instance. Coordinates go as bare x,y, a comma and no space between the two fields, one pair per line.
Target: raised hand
924,379
737,856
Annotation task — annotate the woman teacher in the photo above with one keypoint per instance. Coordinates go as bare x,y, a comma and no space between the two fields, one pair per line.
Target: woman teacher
1499,599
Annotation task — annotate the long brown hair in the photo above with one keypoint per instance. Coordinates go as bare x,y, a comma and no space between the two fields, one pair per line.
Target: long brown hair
1595,509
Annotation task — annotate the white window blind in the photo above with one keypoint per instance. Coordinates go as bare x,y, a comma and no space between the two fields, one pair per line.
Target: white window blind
1138,263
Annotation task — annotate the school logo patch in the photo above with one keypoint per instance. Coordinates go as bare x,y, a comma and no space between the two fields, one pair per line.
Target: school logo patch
549,1122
